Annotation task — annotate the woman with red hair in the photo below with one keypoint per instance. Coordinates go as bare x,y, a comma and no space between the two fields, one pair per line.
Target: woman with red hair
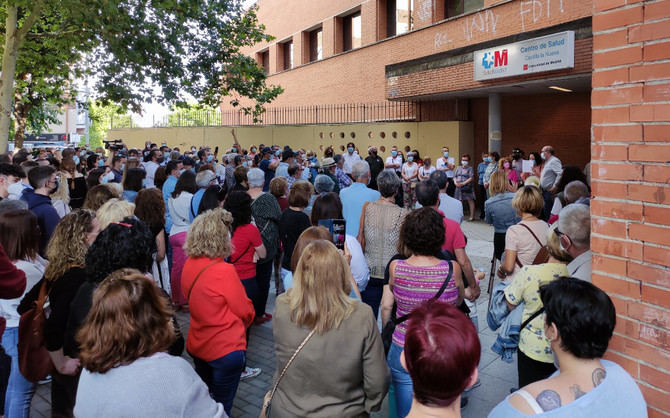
440,341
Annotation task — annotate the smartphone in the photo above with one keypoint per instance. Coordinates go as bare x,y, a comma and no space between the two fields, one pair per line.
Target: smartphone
216,150
337,229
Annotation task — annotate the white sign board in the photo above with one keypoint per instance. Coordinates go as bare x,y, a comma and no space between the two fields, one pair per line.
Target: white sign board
527,166
548,53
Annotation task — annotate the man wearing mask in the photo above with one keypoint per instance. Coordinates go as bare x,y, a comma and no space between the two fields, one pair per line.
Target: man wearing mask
574,234
155,159
9,175
376,166
350,157
204,157
118,164
268,167
447,164
44,182
549,178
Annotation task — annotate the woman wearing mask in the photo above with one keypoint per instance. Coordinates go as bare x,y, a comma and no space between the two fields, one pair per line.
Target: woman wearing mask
426,169
409,174
464,180
492,160
76,183
481,190
220,309
60,199
19,236
63,277
447,164
319,312
179,206
505,165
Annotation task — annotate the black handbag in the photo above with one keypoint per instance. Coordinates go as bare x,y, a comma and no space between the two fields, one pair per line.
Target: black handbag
389,327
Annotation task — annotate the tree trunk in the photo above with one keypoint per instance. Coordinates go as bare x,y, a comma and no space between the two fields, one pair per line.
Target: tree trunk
7,76
20,122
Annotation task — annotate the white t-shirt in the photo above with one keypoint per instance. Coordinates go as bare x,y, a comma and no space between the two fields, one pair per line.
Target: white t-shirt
395,160
442,166
34,270
424,172
150,167
359,267
349,160
410,170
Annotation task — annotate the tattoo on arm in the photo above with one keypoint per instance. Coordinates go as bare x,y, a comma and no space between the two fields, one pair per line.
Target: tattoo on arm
598,376
548,400
577,391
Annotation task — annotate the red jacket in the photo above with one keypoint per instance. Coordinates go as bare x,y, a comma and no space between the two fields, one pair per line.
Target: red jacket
12,282
220,309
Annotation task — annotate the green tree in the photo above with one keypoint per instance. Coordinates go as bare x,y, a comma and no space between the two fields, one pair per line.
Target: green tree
183,48
102,117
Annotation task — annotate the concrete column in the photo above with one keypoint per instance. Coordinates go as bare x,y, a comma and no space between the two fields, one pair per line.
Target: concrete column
495,130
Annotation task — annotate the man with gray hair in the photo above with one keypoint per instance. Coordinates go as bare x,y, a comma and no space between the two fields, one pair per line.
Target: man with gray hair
203,180
577,192
354,197
574,232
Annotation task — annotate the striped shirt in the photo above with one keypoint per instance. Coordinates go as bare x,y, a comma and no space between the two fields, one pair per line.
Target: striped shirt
414,285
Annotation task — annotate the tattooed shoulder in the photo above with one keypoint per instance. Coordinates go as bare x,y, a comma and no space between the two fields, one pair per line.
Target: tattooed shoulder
577,391
598,376
548,400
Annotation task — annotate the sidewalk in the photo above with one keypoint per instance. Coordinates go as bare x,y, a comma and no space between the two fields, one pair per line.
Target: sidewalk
497,377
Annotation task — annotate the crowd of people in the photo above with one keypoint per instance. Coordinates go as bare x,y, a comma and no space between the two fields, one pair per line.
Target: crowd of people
120,239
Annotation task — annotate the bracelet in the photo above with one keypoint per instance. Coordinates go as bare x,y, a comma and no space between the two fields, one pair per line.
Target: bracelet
502,272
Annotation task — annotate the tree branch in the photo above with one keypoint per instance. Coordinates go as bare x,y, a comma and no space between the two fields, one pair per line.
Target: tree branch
35,14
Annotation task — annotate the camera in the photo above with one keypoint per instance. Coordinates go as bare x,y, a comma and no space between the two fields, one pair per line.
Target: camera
114,144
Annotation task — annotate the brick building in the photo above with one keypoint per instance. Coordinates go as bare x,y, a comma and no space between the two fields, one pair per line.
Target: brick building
611,107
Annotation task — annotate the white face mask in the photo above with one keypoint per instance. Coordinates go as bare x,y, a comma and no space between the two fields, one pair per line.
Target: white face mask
15,189
464,163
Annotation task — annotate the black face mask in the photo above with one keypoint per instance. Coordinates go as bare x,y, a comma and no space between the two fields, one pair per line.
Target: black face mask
160,160
55,189
515,157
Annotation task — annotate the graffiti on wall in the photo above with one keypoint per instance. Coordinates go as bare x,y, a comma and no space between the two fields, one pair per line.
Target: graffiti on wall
532,11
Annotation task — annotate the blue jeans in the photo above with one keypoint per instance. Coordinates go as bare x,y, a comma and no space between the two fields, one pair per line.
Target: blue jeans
19,390
402,382
222,376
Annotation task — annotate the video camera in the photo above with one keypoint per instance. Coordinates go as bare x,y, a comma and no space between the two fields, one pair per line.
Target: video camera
112,144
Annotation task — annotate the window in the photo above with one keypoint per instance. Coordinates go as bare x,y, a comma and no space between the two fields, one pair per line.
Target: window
263,59
316,45
399,17
287,49
351,29
459,7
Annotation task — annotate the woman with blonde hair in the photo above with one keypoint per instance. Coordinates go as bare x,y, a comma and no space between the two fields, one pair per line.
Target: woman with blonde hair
75,182
220,309
318,315
98,195
60,199
499,211
63,277
535,360
113,211
124,344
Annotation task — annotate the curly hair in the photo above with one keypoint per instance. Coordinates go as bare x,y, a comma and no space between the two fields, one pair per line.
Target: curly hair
422,231
209,235
98,195
128,243
113,211
67,247
63,192
238,204
150,207
278,186
129,319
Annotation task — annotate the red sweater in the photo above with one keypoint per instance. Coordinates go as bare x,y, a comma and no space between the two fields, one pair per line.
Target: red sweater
220,309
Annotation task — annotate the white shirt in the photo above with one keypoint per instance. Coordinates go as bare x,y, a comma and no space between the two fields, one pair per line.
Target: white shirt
359,267
442,165
452,208
397,160
410,170
424,172
34,270
349,160
150,167
580,267
551,173
179,208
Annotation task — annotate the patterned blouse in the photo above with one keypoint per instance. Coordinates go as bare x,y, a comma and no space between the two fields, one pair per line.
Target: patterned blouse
414,285
381,230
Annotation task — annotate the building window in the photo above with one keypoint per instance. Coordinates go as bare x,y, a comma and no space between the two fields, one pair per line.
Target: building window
459,7
316,45
263,59
399,17
351,29
287,49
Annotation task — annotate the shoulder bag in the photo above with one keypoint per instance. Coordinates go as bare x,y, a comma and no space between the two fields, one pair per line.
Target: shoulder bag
265,411
34,361
542,255
190,289
389,327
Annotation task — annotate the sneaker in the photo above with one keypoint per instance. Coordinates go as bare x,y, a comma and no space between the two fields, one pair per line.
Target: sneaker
477,384
263,318
45,380
250,372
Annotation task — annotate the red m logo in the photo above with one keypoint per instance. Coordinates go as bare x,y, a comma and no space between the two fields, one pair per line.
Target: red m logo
500,58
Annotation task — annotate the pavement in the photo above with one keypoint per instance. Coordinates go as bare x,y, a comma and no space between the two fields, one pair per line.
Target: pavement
497,377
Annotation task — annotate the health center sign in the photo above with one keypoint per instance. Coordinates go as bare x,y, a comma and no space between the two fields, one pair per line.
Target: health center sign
548,53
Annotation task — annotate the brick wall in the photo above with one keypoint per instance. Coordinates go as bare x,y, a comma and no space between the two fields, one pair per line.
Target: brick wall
631,176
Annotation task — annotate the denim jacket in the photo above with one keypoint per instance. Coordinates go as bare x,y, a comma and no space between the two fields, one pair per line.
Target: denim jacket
500,213
509,323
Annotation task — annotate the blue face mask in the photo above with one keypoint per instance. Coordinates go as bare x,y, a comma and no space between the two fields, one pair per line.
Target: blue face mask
351,150
394,153
410,158
277,153
123,167
488,159
234,149
144,183
244,163
253,150
210,157
101,163
181,171
446,154
76,160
